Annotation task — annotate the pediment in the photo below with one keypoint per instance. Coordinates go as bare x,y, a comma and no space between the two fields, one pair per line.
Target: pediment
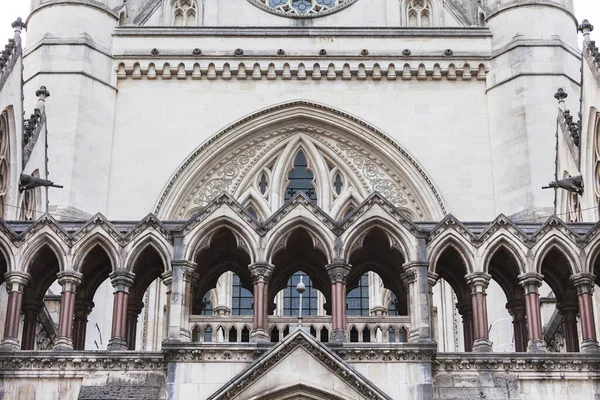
299,368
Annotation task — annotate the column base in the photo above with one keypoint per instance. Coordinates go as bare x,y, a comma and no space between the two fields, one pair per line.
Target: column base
260,336
536,346
117,344
339,336
589,346
482,346
63,344
8,345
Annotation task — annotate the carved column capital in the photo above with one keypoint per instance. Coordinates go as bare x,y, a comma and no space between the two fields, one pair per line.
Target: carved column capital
16,281
19,25
530,281
83,309
121,280
585,27
338,271
69,280
584,282
432,278
478,281
261,272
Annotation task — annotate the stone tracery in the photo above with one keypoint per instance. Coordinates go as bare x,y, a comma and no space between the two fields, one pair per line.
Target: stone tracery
302,8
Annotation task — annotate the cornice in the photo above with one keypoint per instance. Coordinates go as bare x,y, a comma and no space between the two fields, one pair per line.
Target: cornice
329,32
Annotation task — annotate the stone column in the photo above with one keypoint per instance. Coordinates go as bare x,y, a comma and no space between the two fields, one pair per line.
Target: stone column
584,283
338,273
261,275
432,279
82,311
415,278
531,283
568,310
121,281
179,282
68,280
465,309
133,311
517,309
478,282
31,310
15,284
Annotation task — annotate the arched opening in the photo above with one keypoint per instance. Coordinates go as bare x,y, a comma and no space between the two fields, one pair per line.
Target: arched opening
506,303
41,302
452,297
559,304
147,284
300,179
299,260
92,321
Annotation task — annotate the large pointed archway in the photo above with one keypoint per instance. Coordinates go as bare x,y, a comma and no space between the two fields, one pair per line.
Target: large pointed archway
344,158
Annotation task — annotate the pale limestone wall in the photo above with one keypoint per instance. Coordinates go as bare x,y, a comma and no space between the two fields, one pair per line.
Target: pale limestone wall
34,387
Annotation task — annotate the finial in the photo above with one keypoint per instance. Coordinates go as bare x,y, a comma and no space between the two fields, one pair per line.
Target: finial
585,27
19,25
561,95
42,93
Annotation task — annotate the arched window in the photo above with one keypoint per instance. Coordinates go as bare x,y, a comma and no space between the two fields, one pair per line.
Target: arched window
275,334
358,299
366,334
196,334
207,308
324,335
391,335
242,299
208,334
232,334
245,334
353,334
184,12
418,13
4,160
301,180
291,298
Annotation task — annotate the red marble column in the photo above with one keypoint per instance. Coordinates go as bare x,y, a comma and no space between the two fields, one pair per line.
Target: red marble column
531,282
133,311
517,309
338,273
584,283
15,284
568,310
478,282
121,281
465,309
31,310
69,280
82,311
261,275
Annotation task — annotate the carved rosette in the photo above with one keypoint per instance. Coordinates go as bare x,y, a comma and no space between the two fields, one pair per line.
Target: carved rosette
261,272
338,272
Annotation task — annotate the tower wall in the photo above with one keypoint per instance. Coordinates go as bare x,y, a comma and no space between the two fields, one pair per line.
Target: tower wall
534,52
70,53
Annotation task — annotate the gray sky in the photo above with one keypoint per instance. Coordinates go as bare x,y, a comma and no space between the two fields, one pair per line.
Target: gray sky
11,9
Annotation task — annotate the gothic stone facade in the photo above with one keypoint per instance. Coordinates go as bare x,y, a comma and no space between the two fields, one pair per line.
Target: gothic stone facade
389,154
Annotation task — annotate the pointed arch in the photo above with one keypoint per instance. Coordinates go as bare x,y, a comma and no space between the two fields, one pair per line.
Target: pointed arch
507,242
252,197
97,239
557,242
450,239
254,136
146,240
46,238
397,238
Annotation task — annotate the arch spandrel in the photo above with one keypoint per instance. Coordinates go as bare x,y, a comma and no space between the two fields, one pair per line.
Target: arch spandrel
232,160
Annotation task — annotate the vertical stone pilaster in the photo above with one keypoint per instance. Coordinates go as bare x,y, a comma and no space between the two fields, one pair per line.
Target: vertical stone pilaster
180,281
338,274
416,279
478,282
15,284
68,280
531,283
584,283
261,276
122,281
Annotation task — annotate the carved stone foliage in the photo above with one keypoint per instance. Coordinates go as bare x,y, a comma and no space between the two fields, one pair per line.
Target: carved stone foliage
302,8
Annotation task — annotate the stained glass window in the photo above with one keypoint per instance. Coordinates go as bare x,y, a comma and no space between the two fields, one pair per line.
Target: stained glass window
242,299
301,180
303,7
358,299
291,298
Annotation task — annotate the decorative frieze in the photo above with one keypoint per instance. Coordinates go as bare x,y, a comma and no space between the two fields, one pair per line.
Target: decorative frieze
182,69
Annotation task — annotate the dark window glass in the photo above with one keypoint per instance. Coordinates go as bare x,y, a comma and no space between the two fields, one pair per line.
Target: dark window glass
349,211
366,335
286,331
403,335
338,183
233,334
358,299
208,334
207,308
196,334
313,331
242,299
301,180
291,298
391,335
275,335
245,334
252,211
324,335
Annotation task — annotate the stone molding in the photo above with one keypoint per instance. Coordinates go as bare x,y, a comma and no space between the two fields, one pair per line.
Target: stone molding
261,272
592,56
338,271
180,67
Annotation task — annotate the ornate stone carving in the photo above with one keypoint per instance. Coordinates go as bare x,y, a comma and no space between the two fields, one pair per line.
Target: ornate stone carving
261,272
338,272
303,8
